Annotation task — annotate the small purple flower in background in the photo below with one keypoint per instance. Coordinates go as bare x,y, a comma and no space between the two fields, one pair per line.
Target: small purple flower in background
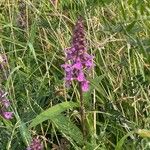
4,104
54,2
35,144
3,60
79,59
7,115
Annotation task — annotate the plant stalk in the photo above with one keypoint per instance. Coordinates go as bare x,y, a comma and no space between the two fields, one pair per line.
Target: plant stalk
82,112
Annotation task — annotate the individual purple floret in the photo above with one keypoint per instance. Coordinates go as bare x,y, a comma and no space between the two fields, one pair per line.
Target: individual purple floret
35,144
7,115
78,60
4,104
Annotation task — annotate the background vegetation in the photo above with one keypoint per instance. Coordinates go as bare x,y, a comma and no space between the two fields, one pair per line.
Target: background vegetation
34,34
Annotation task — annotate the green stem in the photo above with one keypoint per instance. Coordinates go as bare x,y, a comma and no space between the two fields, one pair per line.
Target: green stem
82,112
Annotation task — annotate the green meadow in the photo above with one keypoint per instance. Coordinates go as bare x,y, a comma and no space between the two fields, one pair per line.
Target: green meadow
115,114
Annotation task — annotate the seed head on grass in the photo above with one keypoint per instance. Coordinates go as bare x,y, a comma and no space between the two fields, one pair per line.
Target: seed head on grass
78,60
21,19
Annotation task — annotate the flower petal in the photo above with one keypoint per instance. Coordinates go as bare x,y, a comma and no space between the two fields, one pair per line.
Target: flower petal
77,65
81,76
5,102
7,115
85,85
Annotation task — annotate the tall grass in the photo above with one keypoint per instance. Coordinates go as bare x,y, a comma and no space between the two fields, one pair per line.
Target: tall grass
34,35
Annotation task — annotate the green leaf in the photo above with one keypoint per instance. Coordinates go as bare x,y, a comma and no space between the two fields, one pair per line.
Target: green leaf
33,51
69,129
25,133
130,26
7,123
95,83
121,142
52,112
106,2
98,79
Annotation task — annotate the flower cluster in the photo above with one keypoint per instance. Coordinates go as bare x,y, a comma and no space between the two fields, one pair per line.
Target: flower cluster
35,144
4,105
4,102
77,59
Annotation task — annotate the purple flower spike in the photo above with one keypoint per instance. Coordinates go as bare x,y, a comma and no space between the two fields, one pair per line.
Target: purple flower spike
79,59
4,104
35,145
77,65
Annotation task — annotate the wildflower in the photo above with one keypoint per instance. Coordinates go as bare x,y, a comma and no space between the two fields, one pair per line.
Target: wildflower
77,58
7,115
3,60
35,144
4,104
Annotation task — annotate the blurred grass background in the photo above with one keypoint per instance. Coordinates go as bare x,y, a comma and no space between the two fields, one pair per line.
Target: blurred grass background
34,34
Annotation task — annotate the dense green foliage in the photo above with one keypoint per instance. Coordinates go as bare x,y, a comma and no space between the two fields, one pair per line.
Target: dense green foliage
34,34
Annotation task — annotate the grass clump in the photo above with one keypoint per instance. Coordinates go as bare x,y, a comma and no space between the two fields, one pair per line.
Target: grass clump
33,37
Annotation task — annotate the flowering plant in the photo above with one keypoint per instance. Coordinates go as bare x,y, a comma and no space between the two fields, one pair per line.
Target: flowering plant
4,104
77,62
77,59
35,144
